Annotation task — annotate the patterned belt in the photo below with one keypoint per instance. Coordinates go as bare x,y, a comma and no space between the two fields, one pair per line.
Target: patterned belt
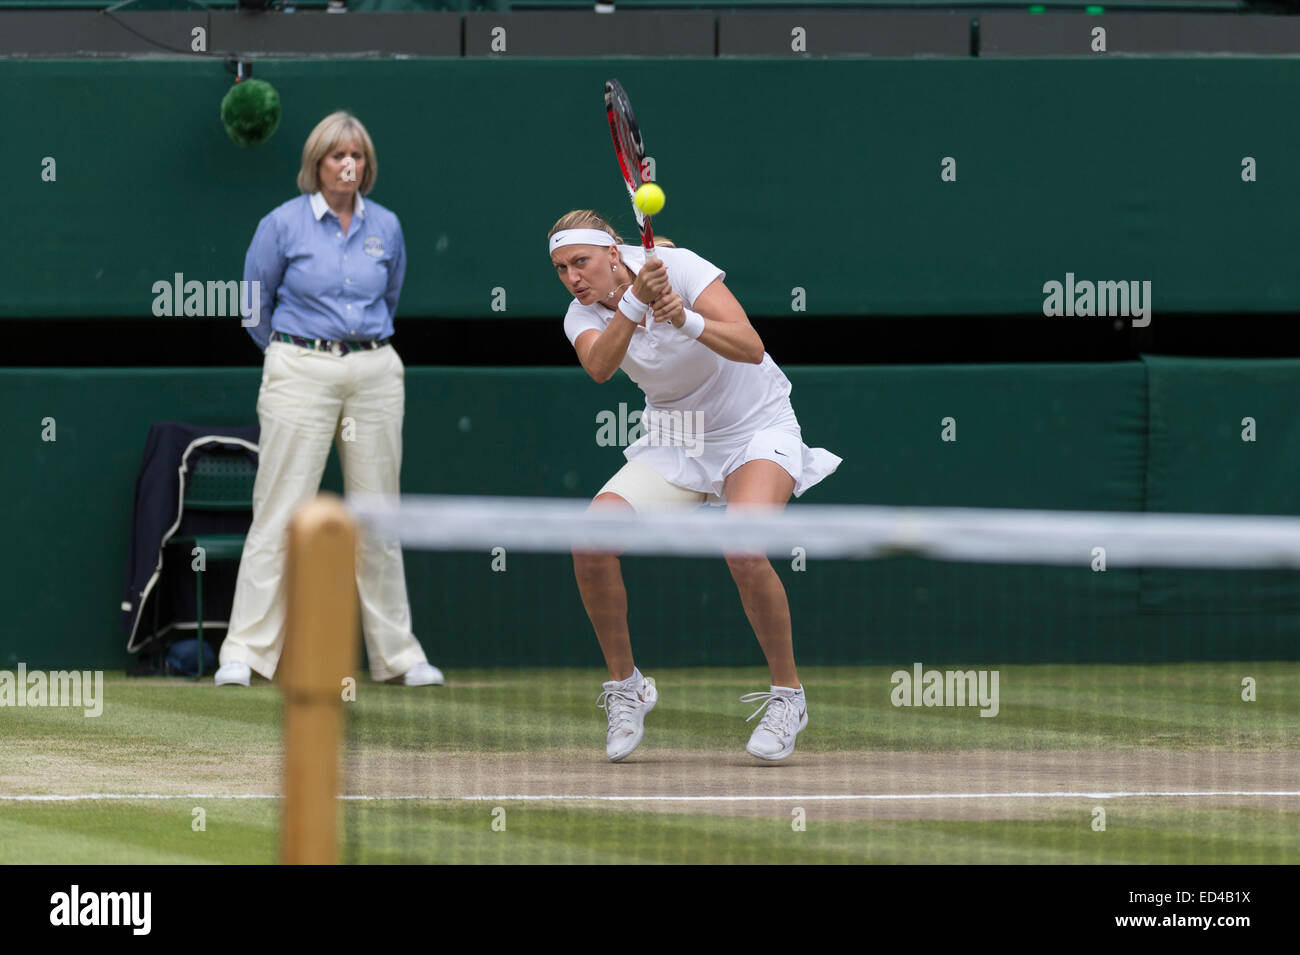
334,348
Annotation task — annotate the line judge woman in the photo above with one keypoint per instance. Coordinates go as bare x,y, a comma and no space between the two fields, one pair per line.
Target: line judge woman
331,265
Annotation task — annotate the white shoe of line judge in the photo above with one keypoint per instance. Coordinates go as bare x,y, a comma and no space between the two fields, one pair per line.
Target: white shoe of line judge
422,674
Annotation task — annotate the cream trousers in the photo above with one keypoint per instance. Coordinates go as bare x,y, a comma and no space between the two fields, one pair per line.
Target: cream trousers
309,400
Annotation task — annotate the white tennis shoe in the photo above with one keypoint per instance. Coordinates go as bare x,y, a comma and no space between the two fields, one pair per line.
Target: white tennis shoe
626,707
423,674
233,674
786,717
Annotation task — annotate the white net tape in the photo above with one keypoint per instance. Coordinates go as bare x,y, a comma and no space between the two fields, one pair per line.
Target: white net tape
830,531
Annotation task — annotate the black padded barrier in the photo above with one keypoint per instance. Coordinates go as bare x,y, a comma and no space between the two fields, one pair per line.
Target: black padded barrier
1072,34
83,33
796,33
589,34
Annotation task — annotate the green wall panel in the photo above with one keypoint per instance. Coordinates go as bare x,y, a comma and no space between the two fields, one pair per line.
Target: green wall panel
1201,461
822,175
1049,436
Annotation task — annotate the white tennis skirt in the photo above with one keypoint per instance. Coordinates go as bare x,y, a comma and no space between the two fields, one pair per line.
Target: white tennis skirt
701,462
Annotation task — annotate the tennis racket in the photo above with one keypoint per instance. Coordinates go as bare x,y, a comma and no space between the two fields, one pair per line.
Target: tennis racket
630,149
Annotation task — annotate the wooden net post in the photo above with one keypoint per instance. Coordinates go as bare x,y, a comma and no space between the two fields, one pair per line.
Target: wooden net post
321,651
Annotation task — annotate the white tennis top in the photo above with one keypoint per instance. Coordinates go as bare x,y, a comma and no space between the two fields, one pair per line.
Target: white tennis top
677,373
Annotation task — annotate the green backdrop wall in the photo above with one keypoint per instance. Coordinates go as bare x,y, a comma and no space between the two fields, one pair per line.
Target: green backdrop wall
822,175
1163,434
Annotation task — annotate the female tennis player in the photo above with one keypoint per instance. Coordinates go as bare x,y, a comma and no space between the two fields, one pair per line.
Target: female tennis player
719,428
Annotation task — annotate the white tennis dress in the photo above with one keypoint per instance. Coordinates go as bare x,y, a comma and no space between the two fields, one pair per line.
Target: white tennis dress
705,415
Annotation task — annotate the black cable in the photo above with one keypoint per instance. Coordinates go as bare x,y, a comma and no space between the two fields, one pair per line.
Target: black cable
221,54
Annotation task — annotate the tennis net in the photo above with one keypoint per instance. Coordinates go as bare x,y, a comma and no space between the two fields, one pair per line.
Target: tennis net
980,685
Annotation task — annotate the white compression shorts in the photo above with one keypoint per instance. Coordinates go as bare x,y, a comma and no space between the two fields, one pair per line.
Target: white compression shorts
647,490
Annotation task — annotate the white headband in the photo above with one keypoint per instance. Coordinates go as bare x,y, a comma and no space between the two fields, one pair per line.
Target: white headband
581,237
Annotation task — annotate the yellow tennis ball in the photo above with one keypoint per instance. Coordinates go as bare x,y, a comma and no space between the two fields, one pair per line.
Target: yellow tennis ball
649,199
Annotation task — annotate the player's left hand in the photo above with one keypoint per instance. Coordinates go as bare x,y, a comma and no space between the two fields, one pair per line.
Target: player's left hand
669,308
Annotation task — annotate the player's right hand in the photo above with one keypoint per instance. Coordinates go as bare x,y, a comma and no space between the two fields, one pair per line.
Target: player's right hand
652,281
669,308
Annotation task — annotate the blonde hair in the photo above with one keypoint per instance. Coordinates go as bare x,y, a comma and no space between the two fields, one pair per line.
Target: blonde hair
584,219
661,242
330,133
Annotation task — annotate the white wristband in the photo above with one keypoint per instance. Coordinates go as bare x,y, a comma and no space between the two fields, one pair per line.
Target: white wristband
693,327
632,307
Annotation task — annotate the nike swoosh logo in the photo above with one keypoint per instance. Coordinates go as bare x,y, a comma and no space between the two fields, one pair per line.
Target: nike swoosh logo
782,453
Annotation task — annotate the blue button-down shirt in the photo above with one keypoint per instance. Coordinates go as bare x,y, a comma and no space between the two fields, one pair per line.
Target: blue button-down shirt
319,283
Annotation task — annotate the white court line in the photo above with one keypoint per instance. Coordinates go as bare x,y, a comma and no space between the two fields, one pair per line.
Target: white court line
89,797
578,797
